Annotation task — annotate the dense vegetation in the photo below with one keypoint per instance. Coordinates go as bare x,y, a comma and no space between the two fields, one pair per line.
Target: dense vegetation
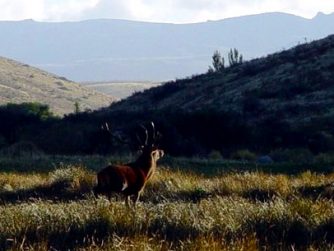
206,208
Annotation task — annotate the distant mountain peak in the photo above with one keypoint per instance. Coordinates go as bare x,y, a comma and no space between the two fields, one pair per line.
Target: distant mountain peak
320,14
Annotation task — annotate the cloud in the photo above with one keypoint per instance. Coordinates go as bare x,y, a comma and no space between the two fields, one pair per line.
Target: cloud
202,10
16,9
44,9
183,11
108,9
71,9
176,11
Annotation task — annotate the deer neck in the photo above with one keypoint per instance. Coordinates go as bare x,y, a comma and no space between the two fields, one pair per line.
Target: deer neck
146,163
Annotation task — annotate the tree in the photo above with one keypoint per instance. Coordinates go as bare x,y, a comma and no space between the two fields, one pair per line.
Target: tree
76,107
29,109
217,62
234,57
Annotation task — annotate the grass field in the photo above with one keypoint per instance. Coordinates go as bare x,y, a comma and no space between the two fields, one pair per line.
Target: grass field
189,205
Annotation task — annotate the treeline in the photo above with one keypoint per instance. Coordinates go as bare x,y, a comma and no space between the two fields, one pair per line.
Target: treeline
186,134
35,123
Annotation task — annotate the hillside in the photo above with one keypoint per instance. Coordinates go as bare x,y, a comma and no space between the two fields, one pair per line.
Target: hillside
106,49
22,83
297,83
283,99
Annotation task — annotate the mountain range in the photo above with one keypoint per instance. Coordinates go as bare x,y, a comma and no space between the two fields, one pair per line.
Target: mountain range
121,50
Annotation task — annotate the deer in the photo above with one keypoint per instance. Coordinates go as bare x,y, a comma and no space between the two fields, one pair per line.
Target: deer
130,179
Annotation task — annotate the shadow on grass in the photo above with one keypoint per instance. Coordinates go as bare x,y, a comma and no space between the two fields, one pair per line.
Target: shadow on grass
317,192
296,233
325,232
278,235
284,233
56,191
194,196
261,195
94,231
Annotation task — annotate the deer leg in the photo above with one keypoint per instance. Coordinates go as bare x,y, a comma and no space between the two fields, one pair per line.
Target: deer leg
96,191
127,201
135,198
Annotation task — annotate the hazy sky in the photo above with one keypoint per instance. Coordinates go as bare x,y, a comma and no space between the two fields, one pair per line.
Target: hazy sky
175,11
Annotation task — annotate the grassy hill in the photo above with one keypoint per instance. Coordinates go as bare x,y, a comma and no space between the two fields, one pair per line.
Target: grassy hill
298,84
22,83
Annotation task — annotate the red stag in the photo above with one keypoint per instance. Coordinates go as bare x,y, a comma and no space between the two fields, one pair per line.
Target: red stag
130,179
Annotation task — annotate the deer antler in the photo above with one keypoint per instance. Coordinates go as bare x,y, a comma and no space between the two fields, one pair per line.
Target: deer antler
105,127
150,135
146,136
153,132
115,136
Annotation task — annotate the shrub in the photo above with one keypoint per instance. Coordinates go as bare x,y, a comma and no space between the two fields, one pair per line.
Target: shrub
22,149
215,155
234,57
298,155
2,141
35,109
77,178
217,62
244,155
324,158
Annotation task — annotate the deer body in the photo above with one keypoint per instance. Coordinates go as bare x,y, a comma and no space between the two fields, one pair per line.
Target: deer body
129,179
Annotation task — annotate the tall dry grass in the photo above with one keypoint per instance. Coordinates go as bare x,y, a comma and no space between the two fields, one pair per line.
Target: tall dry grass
179,210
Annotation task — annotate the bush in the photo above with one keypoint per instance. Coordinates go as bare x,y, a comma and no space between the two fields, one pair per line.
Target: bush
215,155
244,155
324,158
22,149
2,141
33,109
299,155
77,178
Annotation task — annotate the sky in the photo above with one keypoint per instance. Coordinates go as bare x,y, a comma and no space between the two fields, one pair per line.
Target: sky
168,11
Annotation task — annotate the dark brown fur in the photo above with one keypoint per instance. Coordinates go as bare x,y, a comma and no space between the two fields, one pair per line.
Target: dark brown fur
128,179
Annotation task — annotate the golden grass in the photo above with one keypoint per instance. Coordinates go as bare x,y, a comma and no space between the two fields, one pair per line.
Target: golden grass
178,211
15,181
